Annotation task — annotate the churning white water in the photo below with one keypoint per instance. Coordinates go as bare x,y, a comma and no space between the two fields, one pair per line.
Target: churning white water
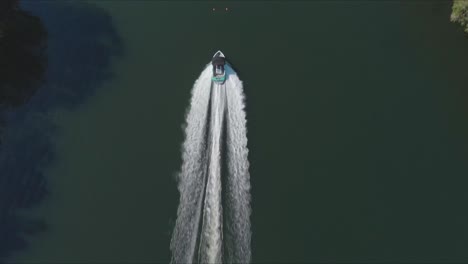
213,218
211,232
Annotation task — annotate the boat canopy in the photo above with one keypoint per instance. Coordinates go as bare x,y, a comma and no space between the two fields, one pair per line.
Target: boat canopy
218,61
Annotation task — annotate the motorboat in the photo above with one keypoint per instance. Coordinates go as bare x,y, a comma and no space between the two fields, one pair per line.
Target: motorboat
218,62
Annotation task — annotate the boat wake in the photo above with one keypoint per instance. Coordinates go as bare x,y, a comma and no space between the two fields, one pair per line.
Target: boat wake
213,218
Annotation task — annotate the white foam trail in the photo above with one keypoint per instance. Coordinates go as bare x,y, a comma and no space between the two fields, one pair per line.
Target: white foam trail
191,176
238,237
200,184
211,235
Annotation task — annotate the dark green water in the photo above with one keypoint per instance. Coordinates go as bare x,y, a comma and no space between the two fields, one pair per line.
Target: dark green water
357,128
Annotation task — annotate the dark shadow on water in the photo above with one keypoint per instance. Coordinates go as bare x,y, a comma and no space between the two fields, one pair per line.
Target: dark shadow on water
81,42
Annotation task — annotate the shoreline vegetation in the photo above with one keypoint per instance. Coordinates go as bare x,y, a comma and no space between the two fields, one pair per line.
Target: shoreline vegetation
22,54
23,60
460,13
6,8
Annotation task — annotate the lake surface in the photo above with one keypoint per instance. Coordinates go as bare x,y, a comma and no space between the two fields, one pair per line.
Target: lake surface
357,128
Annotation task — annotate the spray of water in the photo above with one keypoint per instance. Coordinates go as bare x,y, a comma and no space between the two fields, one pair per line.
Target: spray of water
211,233
192,176
238,182
213,218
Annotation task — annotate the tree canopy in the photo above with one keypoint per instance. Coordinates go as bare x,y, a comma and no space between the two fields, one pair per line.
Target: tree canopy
460,13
